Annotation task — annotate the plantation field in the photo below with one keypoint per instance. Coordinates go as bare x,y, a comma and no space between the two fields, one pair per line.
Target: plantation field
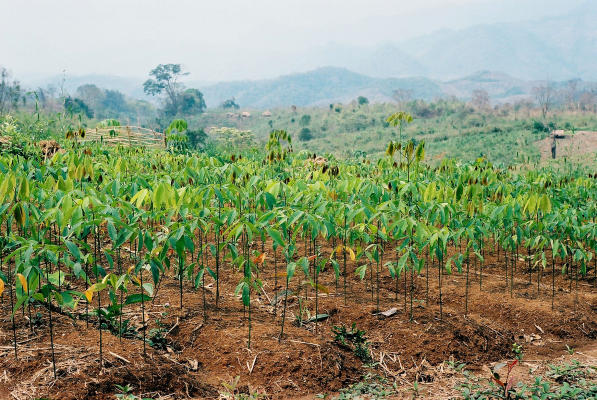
201,355
267,273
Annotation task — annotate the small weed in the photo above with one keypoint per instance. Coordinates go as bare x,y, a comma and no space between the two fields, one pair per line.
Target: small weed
354,340
569,373
517,350
456,365
156,337
125,393
570,350
570,383
371,386
415,390
234,392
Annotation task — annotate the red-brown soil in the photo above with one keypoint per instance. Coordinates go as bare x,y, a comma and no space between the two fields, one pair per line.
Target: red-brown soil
201,356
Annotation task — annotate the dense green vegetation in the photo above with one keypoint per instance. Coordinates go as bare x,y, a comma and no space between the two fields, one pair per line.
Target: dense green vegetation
450,128
121,220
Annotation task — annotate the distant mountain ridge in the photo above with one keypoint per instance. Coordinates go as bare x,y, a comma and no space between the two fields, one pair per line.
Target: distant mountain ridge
552,48
319,87
339,85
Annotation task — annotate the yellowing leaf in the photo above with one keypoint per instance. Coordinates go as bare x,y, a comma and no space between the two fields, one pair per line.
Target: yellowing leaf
23,281
89,294
133,277
352,255
323,289
259,259
1,286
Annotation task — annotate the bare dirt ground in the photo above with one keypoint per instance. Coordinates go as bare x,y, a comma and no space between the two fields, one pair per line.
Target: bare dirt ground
581,143
201,356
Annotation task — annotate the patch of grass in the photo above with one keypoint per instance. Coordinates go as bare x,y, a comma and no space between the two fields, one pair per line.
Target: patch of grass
371,386
570,373
233,391
567,381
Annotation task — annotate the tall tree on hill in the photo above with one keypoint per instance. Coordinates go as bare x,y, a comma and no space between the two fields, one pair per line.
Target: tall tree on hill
165,81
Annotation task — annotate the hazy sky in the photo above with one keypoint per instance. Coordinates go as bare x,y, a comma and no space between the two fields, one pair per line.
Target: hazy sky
223,39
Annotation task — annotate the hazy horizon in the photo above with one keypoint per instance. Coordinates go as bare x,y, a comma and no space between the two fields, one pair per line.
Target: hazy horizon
230,40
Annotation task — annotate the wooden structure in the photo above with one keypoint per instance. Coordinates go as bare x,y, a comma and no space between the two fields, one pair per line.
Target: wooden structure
126,135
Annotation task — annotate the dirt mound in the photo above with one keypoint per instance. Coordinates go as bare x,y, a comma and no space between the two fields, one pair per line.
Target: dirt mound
582,142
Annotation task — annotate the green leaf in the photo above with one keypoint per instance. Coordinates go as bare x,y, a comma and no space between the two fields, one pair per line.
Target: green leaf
290,269
199,277
246,295
276,237
361,271
73,249
112,231
304,263
136,298
148,288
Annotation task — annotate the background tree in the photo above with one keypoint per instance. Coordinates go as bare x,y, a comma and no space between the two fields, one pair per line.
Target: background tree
177,100
587,101
230,104
544,96
114,103
192,102
10,92
362,100
91,95
570,94
75,105
305,135
165,80
402,95
305,120
480,99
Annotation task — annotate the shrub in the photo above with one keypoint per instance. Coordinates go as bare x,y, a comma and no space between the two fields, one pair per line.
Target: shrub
305,135
474,121
305,120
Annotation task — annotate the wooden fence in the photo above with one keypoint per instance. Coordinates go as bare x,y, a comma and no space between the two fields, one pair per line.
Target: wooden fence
126,135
